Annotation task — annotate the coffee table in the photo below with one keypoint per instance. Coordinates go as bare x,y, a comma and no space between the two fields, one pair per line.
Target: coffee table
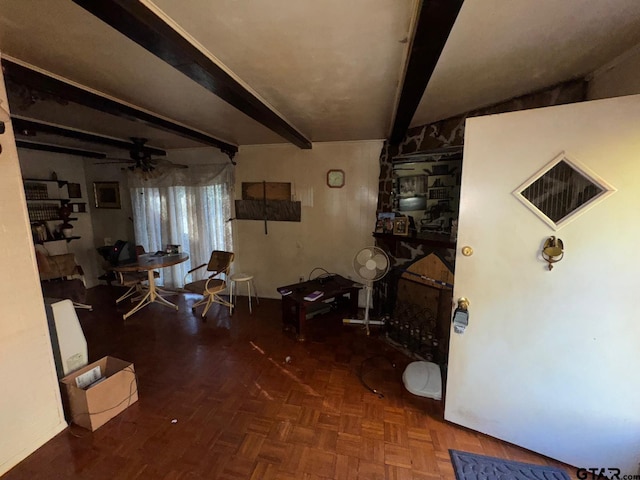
296,310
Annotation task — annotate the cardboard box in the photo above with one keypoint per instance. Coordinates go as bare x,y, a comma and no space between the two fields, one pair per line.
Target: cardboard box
100,402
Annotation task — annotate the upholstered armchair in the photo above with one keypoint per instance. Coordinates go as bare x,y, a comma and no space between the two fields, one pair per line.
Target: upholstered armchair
61,277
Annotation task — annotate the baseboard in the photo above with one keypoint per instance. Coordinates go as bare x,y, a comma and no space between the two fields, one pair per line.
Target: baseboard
16,458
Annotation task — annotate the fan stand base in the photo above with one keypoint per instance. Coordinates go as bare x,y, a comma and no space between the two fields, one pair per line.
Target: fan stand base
361,321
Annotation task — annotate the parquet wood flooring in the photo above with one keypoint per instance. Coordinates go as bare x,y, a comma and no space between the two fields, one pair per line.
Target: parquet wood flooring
243,412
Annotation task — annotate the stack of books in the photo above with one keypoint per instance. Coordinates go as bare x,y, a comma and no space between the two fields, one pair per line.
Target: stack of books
313,296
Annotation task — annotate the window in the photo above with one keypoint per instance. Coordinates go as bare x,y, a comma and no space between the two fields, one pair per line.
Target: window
194,217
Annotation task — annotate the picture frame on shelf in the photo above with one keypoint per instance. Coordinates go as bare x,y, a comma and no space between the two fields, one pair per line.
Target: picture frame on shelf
401,226
385,222
40,232
74,190
107,194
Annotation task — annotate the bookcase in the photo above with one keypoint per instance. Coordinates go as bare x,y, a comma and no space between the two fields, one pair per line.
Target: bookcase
50,207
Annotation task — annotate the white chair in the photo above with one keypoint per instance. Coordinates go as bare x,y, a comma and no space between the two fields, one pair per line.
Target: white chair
243,277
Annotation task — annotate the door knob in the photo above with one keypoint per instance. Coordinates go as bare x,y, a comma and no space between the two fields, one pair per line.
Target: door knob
463,303
461,316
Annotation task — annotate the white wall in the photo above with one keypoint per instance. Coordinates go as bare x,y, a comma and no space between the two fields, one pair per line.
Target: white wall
111,223
620,77
36,164
335,224
30,406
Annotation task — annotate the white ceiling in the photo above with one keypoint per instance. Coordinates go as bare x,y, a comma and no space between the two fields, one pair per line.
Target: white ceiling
331,68
501,49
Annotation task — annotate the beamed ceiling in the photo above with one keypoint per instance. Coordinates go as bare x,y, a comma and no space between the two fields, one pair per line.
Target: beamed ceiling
228,73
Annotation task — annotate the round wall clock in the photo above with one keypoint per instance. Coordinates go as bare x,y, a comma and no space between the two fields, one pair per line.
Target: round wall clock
335,178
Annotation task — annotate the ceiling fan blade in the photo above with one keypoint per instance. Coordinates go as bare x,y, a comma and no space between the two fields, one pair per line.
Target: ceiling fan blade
114,162
118,159
140,160
167,163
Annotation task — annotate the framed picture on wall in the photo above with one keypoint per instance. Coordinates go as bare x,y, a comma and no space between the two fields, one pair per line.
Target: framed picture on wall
107,194
412,185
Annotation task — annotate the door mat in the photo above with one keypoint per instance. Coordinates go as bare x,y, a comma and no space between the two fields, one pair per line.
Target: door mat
470,466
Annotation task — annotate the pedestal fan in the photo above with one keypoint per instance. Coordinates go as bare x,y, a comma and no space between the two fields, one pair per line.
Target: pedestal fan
370,264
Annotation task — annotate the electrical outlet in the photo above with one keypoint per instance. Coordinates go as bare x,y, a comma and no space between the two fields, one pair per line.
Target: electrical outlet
301,279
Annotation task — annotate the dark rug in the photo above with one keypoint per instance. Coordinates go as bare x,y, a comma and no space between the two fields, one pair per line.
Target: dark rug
470,466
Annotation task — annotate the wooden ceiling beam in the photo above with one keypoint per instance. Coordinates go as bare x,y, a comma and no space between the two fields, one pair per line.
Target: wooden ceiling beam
435,21
22,75
27,126
140,24
44,147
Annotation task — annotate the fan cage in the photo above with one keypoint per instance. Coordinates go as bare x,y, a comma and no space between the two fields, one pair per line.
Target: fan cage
362,261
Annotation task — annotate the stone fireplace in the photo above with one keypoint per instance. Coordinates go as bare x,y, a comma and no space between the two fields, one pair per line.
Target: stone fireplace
415,298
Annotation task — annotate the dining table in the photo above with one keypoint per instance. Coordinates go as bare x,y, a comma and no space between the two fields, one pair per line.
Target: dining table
149,262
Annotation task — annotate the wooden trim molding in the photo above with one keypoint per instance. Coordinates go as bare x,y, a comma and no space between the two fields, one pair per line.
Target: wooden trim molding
45,147
435,21
26,126
22,75
143,26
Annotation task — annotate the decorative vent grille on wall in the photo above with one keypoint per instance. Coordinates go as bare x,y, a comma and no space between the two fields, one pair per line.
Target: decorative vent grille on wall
561,191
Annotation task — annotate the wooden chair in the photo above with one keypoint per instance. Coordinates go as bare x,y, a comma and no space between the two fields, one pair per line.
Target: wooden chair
210,288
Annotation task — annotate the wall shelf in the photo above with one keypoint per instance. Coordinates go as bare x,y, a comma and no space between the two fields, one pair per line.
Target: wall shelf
45,200
78,207
61,183
68,239
427,187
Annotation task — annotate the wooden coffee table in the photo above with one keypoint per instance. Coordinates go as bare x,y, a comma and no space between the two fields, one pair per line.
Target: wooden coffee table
295,309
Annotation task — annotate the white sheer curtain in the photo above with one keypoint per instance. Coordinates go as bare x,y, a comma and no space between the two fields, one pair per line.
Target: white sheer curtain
187,207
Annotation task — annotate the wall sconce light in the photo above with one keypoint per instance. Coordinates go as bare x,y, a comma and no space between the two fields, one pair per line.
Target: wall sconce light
552,251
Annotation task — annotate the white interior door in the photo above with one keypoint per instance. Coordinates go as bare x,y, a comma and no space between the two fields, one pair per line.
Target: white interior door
549,360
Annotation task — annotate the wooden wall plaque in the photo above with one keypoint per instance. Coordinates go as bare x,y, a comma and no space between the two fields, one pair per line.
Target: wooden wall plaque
274,190
272,210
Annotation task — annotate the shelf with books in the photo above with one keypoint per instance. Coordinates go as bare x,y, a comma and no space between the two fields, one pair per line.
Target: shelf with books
49,207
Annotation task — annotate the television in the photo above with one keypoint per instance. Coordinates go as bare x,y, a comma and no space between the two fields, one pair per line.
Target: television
121,253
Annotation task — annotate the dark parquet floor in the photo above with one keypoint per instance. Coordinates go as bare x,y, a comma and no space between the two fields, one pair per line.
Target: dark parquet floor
242,411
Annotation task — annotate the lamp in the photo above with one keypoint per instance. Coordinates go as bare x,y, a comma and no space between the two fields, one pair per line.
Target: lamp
552,251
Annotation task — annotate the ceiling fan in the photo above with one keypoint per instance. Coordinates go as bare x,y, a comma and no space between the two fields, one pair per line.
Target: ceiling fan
140,159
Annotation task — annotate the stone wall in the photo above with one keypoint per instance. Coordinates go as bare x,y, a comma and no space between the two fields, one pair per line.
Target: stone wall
450,132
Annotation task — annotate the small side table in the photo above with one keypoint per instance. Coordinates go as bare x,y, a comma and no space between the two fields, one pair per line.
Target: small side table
243,277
